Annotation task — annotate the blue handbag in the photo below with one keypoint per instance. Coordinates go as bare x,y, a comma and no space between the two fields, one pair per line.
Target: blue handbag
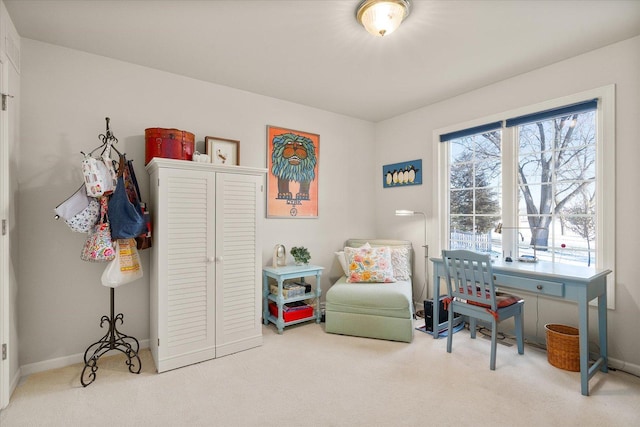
125,217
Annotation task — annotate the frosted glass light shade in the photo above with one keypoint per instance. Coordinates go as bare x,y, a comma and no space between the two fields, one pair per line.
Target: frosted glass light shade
382,17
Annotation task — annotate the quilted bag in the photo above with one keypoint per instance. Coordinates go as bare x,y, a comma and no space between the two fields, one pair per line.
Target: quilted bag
85,220
112,174
98,175
73,205
99,247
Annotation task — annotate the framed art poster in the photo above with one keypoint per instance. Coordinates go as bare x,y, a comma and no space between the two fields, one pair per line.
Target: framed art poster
292,173
222,151
402,174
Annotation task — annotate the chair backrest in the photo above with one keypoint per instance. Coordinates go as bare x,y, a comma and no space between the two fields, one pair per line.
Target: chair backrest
470,277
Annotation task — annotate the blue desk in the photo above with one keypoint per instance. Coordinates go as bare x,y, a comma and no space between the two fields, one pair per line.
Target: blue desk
566,282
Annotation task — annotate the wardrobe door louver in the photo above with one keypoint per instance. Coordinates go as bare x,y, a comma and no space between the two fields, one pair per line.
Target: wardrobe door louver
186,271
205,261
238,299
190,313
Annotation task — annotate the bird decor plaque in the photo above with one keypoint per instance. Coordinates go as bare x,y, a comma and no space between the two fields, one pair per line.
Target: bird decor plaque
222,151
402,174
292,173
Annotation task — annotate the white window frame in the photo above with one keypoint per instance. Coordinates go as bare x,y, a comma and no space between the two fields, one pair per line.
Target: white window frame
605,189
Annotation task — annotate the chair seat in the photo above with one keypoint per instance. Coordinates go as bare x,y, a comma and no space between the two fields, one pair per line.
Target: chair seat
502,300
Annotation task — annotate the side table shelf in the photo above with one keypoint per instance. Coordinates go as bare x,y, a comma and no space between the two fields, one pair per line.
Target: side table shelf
281,274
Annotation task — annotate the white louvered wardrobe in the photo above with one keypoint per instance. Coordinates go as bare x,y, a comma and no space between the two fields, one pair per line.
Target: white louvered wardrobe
206,260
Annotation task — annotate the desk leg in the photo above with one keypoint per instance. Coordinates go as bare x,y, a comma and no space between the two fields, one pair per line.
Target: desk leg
602,329
436,303
584,342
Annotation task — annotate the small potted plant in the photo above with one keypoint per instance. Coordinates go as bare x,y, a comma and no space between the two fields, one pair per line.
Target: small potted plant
300,255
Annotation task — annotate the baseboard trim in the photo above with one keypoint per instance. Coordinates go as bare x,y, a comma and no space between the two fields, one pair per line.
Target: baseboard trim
60,362
15,381
623,366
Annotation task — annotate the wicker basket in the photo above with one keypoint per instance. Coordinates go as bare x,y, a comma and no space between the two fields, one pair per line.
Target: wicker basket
563,347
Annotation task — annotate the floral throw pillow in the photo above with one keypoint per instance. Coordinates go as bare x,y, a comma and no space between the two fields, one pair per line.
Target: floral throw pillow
343,260
371,265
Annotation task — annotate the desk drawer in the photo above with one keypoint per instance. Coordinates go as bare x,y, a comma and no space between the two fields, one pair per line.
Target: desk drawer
543,287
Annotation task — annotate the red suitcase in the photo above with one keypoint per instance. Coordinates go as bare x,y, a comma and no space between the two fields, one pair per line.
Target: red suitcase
168,143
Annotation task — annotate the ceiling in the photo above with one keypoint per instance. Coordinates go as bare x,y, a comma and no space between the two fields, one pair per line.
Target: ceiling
313,52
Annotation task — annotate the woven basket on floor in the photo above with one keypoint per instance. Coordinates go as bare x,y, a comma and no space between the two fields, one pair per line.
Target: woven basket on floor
563,347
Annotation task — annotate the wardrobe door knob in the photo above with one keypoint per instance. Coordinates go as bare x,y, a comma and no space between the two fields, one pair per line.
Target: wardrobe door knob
210,259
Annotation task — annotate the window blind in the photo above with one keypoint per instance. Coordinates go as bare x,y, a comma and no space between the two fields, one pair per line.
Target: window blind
470,131
580,107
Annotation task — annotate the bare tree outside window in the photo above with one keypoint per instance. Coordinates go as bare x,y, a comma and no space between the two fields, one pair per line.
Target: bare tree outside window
475,191
556,169
579,217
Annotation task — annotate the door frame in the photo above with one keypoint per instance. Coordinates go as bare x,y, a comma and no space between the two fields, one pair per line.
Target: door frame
5,306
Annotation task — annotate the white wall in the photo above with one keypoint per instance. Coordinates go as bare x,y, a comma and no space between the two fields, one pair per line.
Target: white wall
66,95
617,64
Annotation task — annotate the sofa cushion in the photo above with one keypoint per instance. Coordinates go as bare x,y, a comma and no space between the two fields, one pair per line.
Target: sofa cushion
379,299
342,260
401,261
372,265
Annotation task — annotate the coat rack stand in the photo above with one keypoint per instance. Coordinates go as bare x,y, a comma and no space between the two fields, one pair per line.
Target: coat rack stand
112,340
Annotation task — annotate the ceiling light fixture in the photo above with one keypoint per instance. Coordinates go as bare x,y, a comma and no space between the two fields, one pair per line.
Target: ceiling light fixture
382,17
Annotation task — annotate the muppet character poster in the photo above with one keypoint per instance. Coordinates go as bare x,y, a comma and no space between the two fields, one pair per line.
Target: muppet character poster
292,171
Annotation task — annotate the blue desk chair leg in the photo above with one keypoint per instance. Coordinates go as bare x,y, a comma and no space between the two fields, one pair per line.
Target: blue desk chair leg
471,292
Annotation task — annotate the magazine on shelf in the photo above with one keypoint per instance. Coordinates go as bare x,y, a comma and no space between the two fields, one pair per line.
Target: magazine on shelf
294,306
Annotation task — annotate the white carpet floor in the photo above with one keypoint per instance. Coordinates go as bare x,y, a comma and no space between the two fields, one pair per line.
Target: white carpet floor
306,377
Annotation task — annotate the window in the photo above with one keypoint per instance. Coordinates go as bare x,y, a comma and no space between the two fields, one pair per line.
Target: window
557,178
475,188
536,182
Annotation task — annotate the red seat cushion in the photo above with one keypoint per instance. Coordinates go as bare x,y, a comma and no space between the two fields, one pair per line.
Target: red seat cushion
503,300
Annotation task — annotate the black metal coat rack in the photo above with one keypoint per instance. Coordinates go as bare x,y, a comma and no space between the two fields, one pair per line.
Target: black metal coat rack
113,339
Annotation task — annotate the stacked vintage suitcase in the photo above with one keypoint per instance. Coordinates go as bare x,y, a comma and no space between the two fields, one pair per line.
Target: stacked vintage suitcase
168,143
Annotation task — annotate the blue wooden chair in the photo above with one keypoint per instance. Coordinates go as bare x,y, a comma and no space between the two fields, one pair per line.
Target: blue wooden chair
471,292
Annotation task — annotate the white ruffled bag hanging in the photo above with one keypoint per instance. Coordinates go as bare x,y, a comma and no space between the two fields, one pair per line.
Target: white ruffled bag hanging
100,176
126,267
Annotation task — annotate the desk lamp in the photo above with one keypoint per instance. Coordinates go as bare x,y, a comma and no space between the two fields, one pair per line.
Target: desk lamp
523,258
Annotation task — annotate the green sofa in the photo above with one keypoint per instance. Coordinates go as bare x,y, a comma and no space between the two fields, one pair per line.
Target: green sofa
372,310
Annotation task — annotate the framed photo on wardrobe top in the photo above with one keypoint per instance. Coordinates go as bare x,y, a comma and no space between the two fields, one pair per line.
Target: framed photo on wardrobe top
222,151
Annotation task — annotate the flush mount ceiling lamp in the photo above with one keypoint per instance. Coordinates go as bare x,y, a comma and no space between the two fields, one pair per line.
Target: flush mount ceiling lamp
382,17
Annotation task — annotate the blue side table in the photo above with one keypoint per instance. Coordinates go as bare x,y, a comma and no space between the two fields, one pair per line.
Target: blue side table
280,274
